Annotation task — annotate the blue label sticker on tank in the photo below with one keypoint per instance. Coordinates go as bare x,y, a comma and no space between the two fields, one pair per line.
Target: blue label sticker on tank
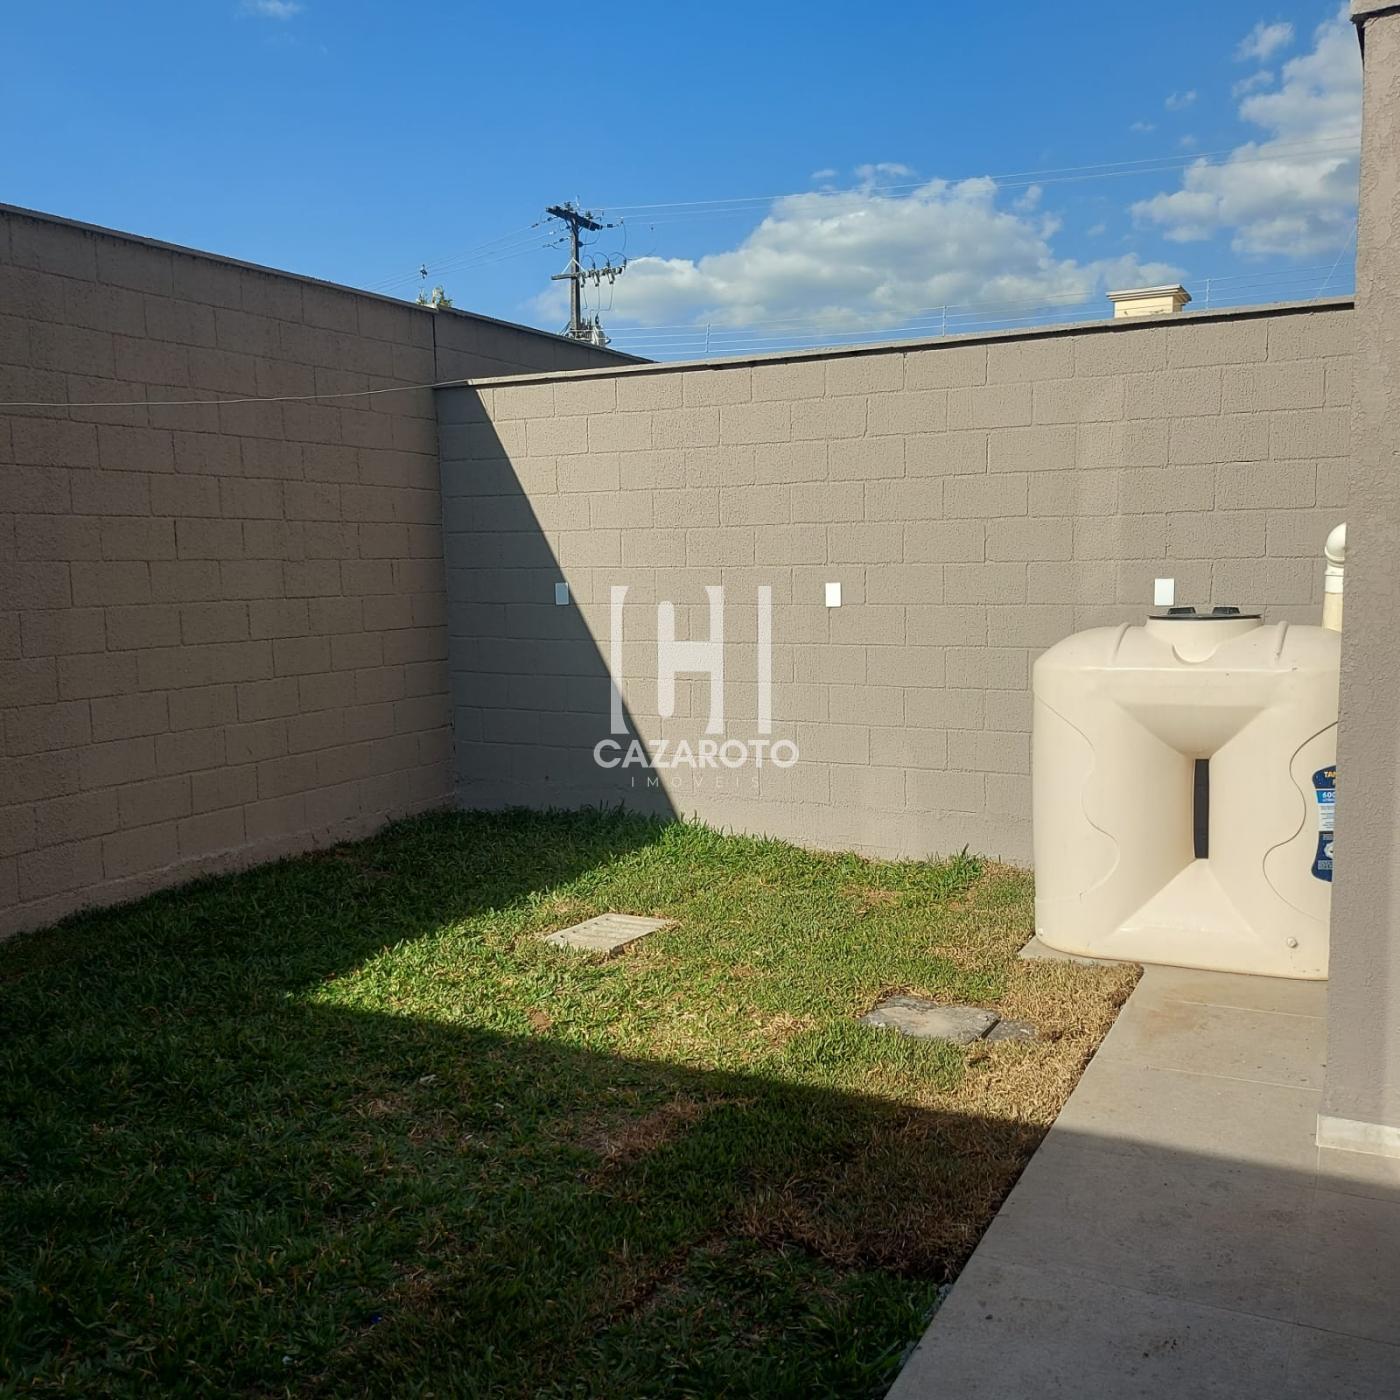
1325,785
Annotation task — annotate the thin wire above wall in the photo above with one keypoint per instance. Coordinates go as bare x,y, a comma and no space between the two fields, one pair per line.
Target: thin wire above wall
712,339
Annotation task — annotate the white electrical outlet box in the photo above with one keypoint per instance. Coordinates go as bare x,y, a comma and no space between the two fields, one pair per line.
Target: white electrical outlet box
833,595
561,593
1163,592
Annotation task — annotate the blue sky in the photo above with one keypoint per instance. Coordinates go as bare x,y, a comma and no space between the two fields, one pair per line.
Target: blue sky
353,139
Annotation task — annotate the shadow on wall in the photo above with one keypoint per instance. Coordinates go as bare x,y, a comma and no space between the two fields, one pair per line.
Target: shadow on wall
531,678
835,733
532,690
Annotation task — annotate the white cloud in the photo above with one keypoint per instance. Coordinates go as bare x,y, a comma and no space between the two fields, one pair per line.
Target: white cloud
869,175
1177,100
272,9
1141,128
827,172
1274,196
866,260
1262,79
1263,41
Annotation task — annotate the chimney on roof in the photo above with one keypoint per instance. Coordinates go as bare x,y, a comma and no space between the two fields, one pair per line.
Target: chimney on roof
1149,301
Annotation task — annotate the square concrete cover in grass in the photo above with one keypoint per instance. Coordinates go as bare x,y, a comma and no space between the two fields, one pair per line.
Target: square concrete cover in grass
607,933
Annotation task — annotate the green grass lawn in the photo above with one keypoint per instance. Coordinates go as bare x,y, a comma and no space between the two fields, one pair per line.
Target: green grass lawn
345,1125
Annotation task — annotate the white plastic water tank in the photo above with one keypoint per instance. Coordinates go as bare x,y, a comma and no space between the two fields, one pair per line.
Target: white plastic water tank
1183,793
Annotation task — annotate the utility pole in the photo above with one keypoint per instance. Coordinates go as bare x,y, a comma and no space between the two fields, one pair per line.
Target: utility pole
575,276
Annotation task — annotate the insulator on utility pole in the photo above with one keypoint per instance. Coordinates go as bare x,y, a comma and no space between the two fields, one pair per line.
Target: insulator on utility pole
578,219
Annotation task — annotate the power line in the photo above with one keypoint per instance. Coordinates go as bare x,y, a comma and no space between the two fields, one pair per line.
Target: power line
798,320
1341,253
1145,165
412,276
793,333
494,250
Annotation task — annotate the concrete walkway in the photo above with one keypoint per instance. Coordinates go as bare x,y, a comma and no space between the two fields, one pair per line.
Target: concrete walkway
1179,1234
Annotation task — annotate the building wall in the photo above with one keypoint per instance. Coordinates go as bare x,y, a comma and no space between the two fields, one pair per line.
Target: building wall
222,628
976,500
1361,1105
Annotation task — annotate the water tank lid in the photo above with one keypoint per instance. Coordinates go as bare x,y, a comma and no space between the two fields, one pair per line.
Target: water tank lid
1216,614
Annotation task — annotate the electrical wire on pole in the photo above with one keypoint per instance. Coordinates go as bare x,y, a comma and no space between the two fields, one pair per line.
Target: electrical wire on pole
576,275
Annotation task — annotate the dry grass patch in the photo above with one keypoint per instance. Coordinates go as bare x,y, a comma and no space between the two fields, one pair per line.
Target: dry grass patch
626,1140
916,1196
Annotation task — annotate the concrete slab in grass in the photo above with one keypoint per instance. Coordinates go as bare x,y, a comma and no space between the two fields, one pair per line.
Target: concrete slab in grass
926,1020
607,933
1006,1029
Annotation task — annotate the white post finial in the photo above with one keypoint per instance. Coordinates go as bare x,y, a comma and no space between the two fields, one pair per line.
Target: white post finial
1335,551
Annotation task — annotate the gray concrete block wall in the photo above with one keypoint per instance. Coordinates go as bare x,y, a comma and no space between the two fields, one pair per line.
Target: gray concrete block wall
222,628
976,500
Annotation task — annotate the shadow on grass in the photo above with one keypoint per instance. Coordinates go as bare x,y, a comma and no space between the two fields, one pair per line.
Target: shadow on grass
224,1170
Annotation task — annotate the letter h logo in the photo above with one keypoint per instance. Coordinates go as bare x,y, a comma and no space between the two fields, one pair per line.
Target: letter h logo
704,658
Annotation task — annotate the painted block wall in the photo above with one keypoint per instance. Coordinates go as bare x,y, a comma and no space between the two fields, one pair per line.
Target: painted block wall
1361,1102
222,628
976,500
